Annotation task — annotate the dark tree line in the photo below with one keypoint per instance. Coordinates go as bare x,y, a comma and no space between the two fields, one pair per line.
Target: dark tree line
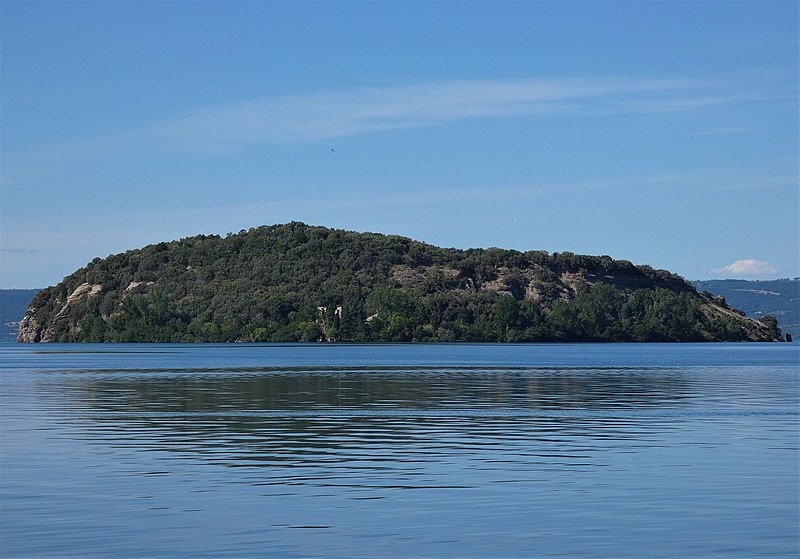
285,283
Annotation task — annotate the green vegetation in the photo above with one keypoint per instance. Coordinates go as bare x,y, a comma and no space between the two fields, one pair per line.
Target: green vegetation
757,298
300,283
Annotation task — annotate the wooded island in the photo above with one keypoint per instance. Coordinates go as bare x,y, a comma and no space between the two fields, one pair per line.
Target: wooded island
300,283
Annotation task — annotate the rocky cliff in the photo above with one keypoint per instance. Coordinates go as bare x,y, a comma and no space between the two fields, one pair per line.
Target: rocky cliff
295,282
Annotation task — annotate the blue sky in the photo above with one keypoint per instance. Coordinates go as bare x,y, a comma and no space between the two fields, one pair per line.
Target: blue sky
658,132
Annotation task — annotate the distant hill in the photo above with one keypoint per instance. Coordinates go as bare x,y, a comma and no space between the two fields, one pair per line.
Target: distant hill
779,298
296,282
13,304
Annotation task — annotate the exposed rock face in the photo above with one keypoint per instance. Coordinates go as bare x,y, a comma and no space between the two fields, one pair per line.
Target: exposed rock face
268,284
137,285
31,331
762,330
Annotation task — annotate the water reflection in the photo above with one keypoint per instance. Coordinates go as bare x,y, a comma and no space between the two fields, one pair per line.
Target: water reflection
372,428
431,388
398,460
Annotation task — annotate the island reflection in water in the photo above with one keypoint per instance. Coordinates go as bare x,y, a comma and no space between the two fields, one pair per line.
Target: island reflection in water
255,417
402,460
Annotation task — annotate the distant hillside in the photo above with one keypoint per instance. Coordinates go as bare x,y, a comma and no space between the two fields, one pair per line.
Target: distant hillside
779,298
13,304
295,282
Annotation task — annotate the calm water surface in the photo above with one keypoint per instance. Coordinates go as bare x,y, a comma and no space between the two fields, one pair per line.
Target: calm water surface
399,450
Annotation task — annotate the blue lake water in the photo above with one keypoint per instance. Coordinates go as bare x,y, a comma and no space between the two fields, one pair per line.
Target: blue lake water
623,450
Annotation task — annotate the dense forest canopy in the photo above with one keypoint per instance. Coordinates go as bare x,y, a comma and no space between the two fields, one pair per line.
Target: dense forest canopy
296,282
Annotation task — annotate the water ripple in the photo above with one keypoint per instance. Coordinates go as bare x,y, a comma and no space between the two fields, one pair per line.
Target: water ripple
452,451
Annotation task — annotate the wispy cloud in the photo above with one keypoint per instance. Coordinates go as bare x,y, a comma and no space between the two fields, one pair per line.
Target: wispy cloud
747,267
368,109
727,130
227,127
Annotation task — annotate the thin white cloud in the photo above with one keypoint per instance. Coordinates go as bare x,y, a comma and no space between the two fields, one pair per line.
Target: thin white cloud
727,130
368,109
227,127
747,267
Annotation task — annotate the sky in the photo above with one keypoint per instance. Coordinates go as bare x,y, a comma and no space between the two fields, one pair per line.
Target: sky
664,133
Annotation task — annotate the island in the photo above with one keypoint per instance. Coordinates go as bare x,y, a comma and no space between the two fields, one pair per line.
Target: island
300,283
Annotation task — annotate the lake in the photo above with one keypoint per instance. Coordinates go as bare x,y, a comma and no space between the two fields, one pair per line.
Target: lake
340,451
